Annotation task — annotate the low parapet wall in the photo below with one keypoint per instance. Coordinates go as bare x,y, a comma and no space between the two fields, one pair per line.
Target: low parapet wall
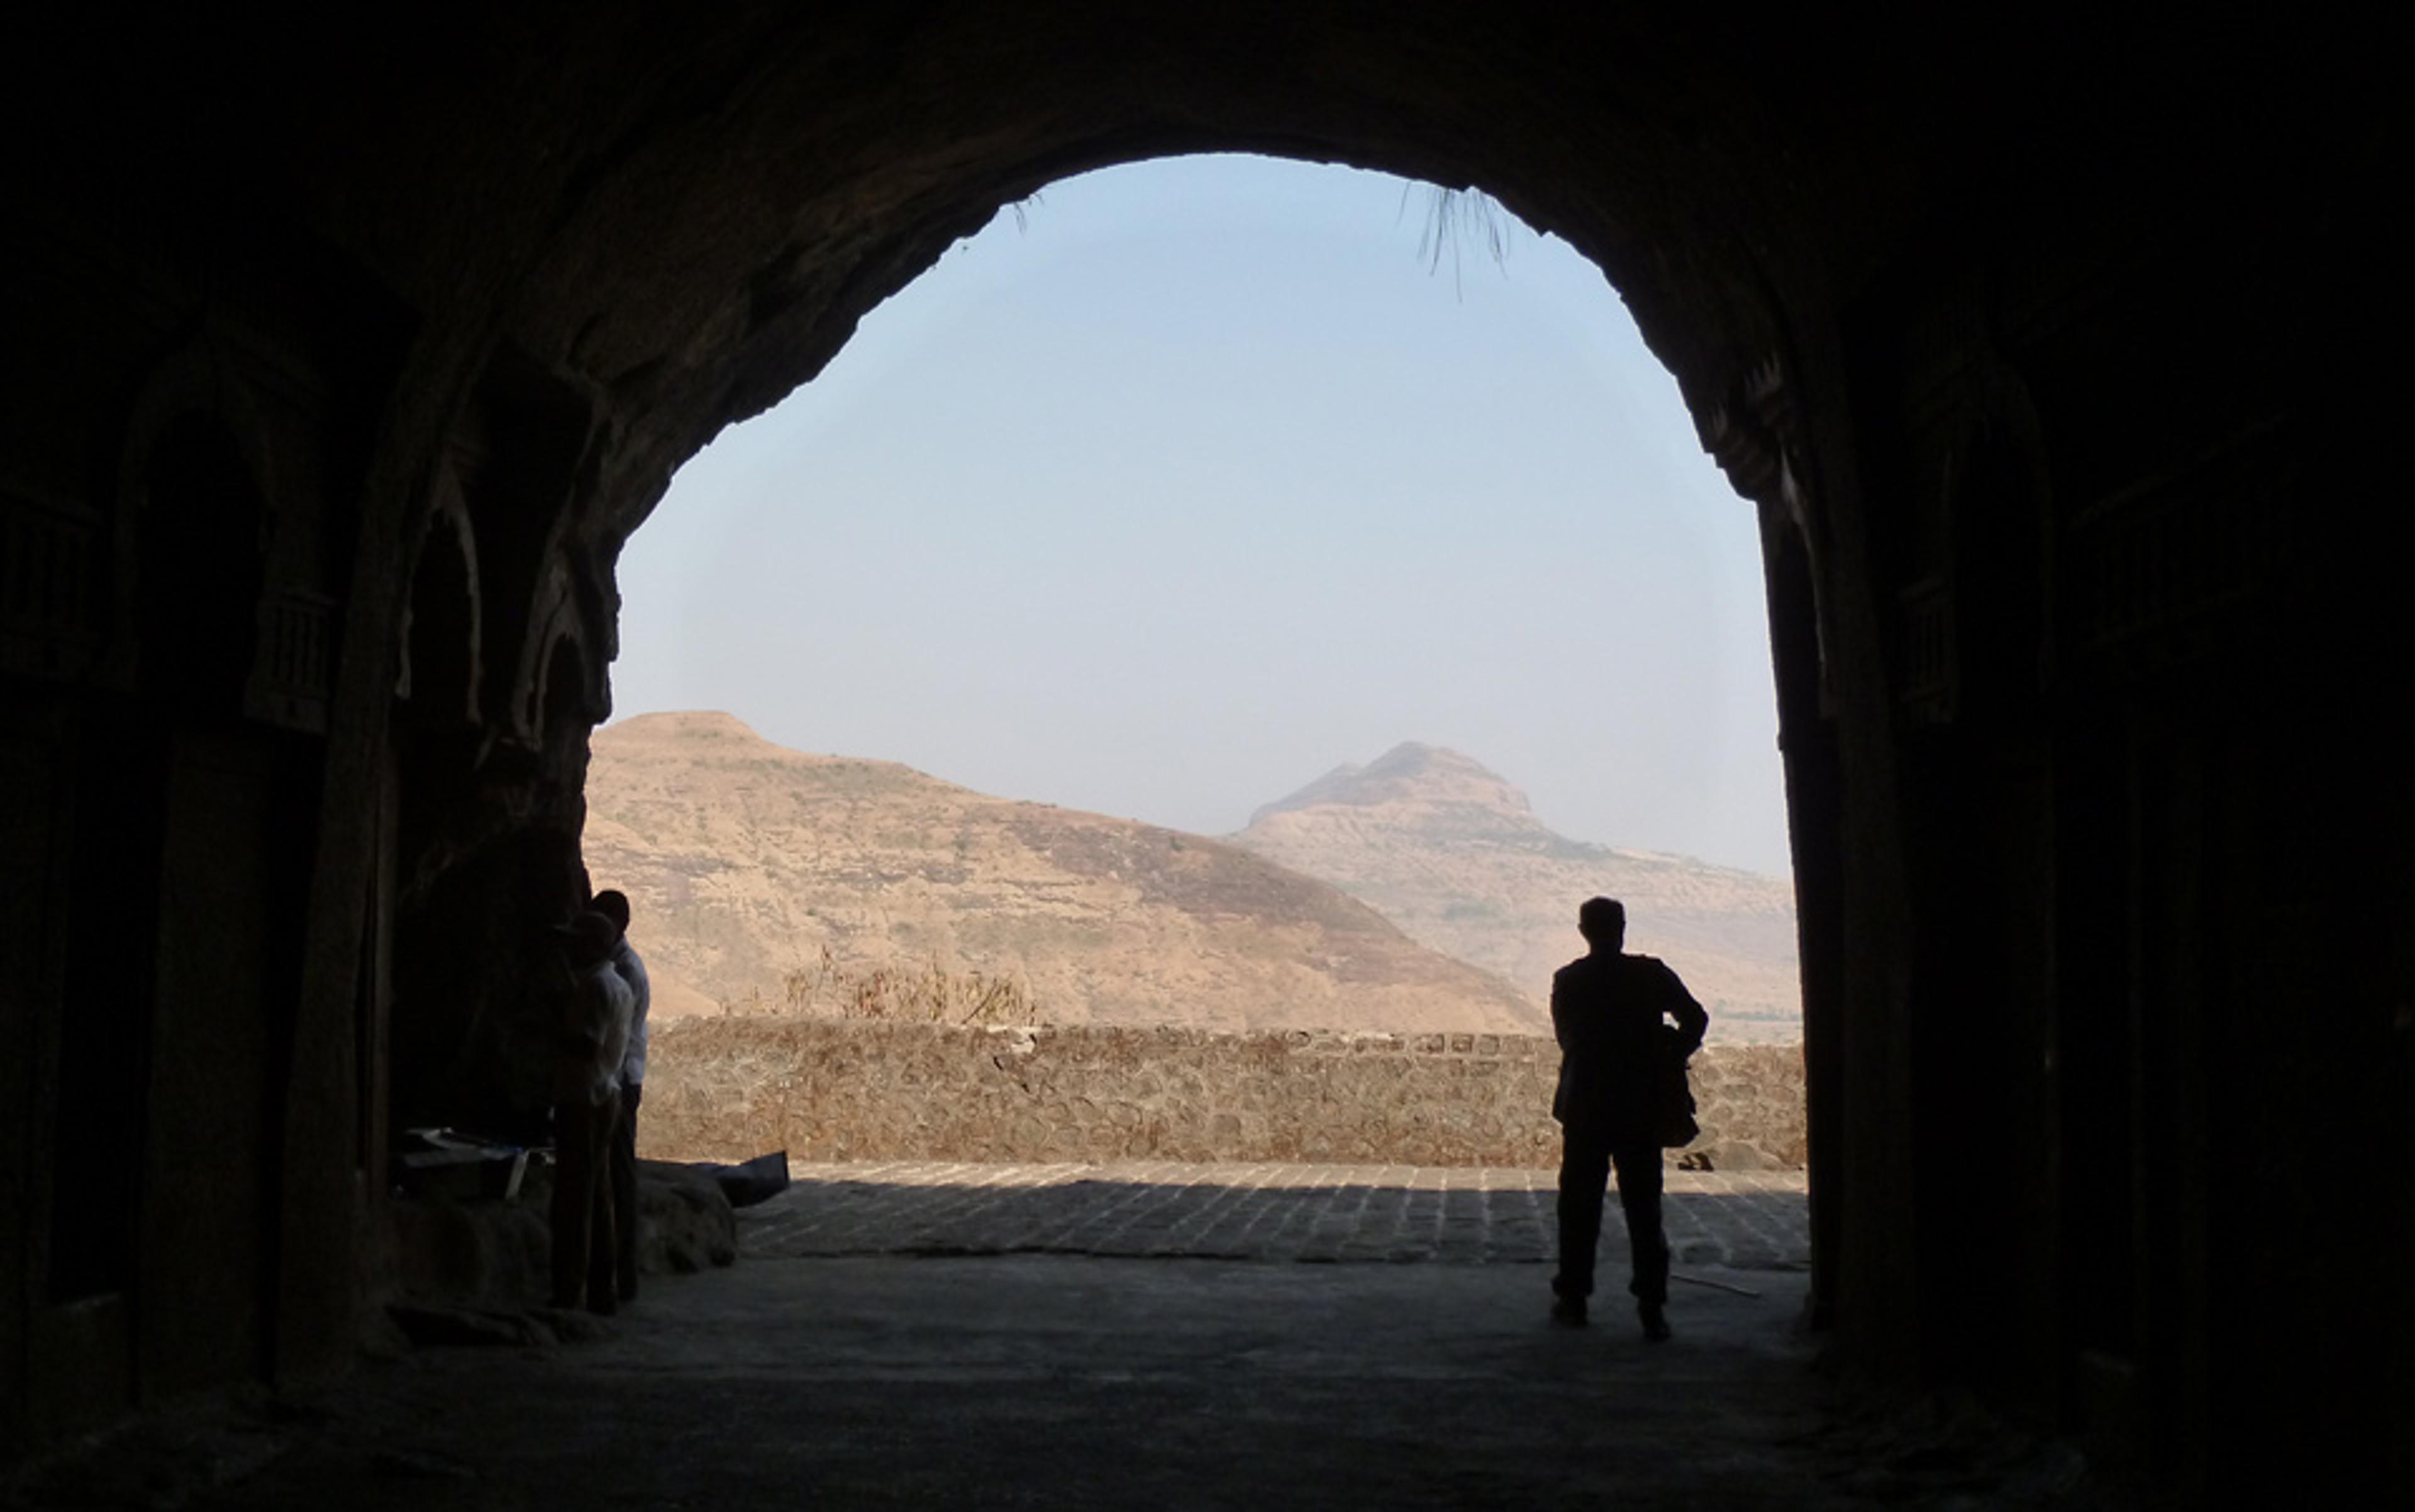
723,1088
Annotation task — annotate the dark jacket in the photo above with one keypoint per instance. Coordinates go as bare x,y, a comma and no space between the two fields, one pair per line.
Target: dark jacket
1610,1014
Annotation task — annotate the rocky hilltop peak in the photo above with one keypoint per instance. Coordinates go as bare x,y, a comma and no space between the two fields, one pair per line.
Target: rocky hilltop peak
1427,781
711,737
686,724
1452,852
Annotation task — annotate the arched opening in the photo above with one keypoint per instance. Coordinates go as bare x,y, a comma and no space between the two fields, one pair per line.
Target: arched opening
438,730
469,1032
440,655
783,344
1369,1217
184,961
1205,483
438,721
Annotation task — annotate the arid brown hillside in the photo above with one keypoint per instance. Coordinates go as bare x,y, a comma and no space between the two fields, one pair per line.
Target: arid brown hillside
745,862
1452,854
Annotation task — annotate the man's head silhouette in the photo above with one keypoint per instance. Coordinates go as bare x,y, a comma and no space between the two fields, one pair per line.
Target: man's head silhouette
614,904
1603,924
588,937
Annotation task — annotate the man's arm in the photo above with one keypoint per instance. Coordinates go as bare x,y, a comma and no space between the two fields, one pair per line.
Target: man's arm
632,971
1693,1021
1562,1008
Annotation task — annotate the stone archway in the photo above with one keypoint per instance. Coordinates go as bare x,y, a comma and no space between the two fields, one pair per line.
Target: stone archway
583,239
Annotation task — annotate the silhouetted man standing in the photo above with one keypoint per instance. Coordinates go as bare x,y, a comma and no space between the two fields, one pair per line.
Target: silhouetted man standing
614,904
1618,1054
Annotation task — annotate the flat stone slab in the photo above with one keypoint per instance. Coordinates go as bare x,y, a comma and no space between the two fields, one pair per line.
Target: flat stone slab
1333,1214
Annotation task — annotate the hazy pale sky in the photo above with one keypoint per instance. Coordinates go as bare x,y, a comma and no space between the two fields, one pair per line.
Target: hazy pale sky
1198,484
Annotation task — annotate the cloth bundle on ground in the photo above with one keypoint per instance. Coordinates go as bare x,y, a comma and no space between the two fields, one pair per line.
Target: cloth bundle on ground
753,1181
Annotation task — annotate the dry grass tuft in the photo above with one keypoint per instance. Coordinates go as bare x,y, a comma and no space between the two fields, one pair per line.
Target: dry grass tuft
929,993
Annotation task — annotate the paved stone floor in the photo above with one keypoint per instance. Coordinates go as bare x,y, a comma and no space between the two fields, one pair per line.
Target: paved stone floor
1116,1337
1754,1220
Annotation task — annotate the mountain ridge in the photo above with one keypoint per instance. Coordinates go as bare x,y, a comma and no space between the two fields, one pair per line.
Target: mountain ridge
748,861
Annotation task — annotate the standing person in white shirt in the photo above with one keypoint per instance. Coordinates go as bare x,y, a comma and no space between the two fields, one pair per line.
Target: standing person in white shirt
591,1039
614,904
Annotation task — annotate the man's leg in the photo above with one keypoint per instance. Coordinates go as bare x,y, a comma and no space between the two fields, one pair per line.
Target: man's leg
1639,1198
573,1209
1584,1171
625,1190
603,1295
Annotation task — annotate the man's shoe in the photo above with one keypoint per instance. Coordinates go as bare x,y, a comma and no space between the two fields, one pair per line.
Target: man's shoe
1655,1321
1569,1311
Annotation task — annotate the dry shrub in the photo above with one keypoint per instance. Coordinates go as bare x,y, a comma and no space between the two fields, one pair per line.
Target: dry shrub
929,993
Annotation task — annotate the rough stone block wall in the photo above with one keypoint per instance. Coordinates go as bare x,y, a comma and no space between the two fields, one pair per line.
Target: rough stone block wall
725,1088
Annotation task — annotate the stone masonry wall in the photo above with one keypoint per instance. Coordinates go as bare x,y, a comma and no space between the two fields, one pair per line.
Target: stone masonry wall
725,1088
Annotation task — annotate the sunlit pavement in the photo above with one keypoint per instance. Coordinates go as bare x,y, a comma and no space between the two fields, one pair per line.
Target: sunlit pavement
1755,1221
970,1352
